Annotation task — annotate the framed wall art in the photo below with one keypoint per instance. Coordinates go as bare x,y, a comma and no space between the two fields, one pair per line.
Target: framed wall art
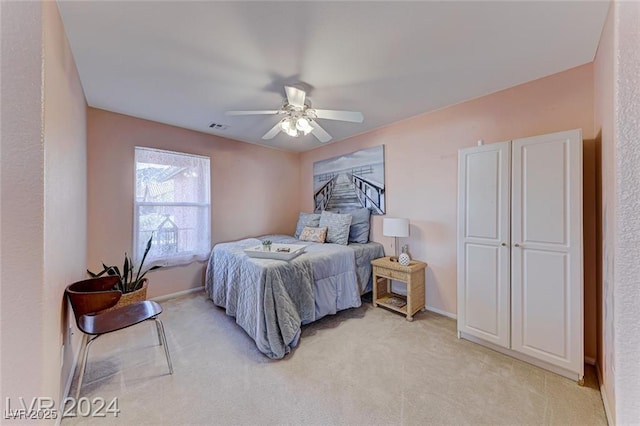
350,181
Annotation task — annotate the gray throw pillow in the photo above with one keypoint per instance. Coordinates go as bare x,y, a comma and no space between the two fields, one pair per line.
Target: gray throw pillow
338,227
360,224
311,220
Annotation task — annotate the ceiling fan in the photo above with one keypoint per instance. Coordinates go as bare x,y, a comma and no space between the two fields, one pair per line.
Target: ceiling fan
300,118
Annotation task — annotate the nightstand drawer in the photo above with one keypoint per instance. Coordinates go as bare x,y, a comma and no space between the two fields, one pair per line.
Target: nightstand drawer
389,273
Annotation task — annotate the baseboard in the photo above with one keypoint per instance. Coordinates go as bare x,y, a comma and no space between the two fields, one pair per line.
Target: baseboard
166,297
589,360
67,386
441,312
603,394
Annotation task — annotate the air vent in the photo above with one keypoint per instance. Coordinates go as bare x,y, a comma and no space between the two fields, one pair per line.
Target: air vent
218,126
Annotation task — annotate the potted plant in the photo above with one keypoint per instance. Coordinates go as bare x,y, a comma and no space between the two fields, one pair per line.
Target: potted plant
132,283
266,245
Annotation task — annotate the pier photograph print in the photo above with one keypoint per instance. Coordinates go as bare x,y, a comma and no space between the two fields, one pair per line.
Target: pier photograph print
351,181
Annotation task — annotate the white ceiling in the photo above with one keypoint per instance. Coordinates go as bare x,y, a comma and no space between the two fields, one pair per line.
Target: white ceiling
186,63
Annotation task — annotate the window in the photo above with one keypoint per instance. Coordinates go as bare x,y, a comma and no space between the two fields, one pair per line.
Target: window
172,206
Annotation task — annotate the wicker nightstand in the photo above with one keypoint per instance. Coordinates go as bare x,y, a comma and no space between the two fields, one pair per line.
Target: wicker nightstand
384,270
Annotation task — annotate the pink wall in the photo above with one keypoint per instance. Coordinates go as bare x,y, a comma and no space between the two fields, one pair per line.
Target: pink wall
421,168
22,202
603,121
65,188
627,232
617,108
254,190
43,198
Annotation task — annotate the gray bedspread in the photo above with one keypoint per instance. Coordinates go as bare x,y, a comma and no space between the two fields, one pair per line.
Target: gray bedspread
364,254
272,299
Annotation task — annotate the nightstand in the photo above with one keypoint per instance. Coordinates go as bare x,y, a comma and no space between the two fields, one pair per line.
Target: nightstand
384,270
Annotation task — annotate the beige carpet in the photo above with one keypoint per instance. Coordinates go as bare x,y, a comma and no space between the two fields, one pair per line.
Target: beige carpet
362,366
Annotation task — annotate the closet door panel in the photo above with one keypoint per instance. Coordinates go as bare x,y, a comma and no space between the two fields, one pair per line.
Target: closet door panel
546,252
544,327
483,195
483,237
481,290
543,185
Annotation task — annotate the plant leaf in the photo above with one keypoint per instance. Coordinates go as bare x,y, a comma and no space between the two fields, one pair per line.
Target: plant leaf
138,285
99,274
131,270
144,256
127,283
153,268
125,269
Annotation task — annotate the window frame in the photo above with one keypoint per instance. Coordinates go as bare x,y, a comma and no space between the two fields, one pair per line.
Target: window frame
182,258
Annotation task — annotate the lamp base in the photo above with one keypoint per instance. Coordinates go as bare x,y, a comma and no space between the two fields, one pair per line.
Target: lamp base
395,258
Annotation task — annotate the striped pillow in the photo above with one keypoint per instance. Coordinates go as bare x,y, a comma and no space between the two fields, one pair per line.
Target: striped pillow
338,227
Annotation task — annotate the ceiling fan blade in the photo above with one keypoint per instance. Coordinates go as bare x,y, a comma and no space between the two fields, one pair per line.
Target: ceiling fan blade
330,114
273,132
319,132
262,112
295,96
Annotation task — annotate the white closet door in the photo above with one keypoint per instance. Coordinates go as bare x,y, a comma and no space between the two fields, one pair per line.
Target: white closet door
483,242
547,249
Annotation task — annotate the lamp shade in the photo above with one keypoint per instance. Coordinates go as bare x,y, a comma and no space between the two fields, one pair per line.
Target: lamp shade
395,227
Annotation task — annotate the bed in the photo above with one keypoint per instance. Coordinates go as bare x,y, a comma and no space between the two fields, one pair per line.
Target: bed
272,299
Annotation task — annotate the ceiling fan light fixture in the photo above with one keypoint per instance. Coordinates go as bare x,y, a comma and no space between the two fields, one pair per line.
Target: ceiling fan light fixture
303,124
295,126
285,124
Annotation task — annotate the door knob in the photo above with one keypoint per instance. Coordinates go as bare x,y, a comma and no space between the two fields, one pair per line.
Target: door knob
503,244
517,245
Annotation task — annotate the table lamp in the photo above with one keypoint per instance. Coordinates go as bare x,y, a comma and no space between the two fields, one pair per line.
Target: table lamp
395,227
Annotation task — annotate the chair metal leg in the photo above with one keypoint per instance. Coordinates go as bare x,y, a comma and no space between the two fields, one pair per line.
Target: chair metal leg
159,333
164,342
86,343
